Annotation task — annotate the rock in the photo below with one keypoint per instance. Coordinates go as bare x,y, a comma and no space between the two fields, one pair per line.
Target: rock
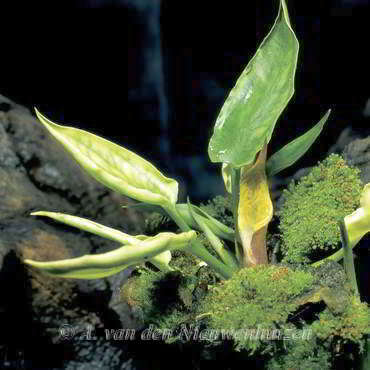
357,153
37,174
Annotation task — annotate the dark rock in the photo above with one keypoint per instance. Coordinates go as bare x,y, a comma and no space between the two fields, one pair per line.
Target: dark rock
37,174
357,153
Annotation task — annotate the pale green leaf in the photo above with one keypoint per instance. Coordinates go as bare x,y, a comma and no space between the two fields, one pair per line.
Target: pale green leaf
92,227
84,224
294,150
248,116
105,264
358,222
114,166
357,225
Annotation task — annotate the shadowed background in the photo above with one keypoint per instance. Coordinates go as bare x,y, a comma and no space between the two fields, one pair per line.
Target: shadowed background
152,75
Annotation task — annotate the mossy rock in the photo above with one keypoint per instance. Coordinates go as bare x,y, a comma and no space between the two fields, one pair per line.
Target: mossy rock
313,207
296,315
282,315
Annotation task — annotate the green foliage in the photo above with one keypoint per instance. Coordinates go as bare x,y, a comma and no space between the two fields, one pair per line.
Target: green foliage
168,300
353,325
258,297
249,114
221,209
309,354
312,208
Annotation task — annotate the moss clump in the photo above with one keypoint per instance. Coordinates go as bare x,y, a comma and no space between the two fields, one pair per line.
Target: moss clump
162,298
312,208
220,208
307,354
353,325
167,300
255,298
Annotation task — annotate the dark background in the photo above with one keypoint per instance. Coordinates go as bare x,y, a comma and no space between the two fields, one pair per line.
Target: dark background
152,75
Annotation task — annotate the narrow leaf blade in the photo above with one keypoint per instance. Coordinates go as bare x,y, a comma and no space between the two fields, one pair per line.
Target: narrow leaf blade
92,227
105,264
216,243
294,150
215,226
114,166
161,261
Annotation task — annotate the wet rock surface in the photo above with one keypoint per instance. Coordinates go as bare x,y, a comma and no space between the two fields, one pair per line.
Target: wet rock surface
43,318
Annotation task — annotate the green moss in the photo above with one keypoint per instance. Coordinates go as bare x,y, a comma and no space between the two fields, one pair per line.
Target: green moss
155,222
307,354
312,208
255,298
353,324
167,300
220,208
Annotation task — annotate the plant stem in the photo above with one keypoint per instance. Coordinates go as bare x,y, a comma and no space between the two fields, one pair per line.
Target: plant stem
349,265
197,248
235,190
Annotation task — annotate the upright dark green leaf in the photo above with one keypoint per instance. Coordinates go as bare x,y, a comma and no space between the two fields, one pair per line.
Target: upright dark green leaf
248,116
294,150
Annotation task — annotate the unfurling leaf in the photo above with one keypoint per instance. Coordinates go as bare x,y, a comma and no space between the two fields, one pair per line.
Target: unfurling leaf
106,264
358,222
356,226
114,166
254,211
248,116
294,150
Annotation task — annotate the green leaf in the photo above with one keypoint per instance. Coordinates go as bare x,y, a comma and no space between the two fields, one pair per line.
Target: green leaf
216,243
291,152
248,116
161,260
114,166
348,260
216,226
356,225
106,264
92,227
